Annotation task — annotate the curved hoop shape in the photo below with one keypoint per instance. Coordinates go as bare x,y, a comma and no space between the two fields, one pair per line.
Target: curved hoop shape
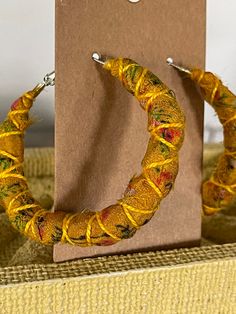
220,190
144,192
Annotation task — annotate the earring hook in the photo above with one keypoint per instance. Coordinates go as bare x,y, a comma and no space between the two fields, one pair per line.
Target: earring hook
49,79
97,58
170,62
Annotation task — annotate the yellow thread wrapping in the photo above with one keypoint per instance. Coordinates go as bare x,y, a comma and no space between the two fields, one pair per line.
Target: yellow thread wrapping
9,155
65,226
20,208
200,77
137,210
12,175
10,169
228,153
229,120
223,101
11,115
169,125
129,216
88,231
31,223
162,126
57,226
15,198
152,96
209,209
27,96
139,79
120,69
10,134
160,163
214,92
158,138
125,68
226,187
155,188
138,84
101,225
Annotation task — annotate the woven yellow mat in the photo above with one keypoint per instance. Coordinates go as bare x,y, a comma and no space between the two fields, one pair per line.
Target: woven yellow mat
196,280
39,169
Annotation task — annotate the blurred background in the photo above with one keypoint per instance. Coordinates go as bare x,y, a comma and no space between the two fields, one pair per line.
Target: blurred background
27,54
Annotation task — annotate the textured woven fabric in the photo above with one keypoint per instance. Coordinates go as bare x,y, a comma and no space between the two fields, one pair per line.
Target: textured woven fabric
116,263
198,280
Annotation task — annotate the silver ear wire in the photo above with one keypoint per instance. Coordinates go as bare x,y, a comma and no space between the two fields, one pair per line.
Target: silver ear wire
49,79
97,58
170,62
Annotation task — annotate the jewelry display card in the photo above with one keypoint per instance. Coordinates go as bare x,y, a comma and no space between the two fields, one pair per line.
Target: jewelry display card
101,131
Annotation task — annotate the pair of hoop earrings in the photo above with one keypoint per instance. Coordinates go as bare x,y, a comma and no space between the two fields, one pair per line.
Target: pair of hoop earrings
144,192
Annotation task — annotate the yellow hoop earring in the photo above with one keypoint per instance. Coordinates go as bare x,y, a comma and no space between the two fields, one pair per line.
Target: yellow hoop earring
219,191
144,192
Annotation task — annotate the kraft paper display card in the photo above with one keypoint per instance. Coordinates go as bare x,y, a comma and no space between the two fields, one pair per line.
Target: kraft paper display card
100,130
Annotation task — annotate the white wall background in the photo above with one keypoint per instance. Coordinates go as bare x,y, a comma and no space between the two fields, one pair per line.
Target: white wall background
220,55
27,54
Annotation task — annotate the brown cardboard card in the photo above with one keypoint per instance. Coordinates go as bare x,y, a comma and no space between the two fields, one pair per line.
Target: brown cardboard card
100,132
